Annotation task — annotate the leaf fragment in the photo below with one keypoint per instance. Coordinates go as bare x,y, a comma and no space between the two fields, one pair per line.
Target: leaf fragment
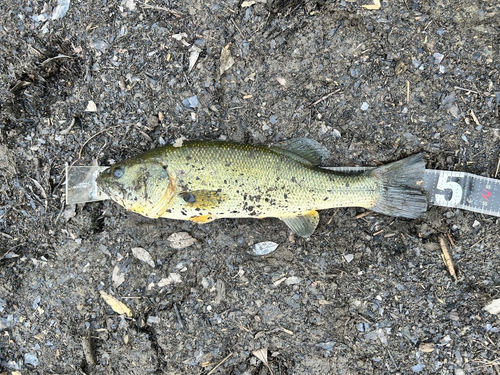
493,307
143,255
374,6
91,106
247,3
264,248
262,355
118,277
117,306
226,59
180,240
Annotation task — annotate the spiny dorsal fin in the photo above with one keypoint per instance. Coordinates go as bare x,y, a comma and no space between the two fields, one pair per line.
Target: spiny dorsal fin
304,150
303,224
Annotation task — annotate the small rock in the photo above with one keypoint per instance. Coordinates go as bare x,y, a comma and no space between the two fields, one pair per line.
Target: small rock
191,102
31,359
438,58
293,280
365,106
418,368
348,257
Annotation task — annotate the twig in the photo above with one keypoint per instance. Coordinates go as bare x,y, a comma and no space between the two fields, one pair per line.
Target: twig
447,258
366,213
179,318
473,115
237,28
325,97
469,90
88,140
407,91
55,58
450,239
498,166
154,7
88,350
220,364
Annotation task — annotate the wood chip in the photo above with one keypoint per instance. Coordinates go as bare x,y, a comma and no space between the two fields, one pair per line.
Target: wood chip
88,350
447,258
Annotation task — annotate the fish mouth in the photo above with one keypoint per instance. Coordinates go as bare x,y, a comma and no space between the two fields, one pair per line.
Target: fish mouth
106,185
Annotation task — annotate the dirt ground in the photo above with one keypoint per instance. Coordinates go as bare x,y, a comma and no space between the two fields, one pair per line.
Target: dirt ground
367,295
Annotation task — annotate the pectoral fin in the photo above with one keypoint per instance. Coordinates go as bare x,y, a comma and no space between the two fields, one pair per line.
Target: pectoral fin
303,224
203,199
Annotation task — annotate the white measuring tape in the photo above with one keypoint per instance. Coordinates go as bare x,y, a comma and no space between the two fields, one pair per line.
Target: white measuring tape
461,190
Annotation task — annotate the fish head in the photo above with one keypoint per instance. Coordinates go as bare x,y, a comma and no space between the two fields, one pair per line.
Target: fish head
144,187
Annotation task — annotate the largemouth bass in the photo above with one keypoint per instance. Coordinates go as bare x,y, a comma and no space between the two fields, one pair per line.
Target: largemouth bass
202,181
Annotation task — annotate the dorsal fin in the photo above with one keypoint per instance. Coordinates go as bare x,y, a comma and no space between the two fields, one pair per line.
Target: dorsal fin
303,150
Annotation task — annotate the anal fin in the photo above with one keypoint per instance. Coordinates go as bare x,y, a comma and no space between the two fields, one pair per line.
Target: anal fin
304,224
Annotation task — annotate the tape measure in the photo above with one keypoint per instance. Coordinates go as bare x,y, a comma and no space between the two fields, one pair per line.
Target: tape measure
461,190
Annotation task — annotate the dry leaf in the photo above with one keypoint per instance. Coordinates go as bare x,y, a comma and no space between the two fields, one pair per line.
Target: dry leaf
264,248
262,355
226,59
117,306
374,6
247,3
281,81
173,278
179,141
91,107
426,347
179,36
493,307
193,56
180,240
69,212
117,276
143,255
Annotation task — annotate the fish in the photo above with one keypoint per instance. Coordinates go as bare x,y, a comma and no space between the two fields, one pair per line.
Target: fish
202,181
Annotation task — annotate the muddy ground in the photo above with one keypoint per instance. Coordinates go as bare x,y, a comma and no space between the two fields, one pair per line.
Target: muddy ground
367,295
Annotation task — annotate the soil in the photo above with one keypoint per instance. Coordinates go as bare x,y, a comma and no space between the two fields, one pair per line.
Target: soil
363,295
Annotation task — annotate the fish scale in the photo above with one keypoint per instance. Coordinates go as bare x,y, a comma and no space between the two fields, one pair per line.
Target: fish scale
262,183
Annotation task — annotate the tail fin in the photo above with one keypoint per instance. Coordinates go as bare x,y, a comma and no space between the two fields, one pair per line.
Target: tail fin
401,185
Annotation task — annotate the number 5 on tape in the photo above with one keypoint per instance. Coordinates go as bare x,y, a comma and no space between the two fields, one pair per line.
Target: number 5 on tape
446,182
463,190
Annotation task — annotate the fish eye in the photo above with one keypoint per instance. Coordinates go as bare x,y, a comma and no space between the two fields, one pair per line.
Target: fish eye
118,172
